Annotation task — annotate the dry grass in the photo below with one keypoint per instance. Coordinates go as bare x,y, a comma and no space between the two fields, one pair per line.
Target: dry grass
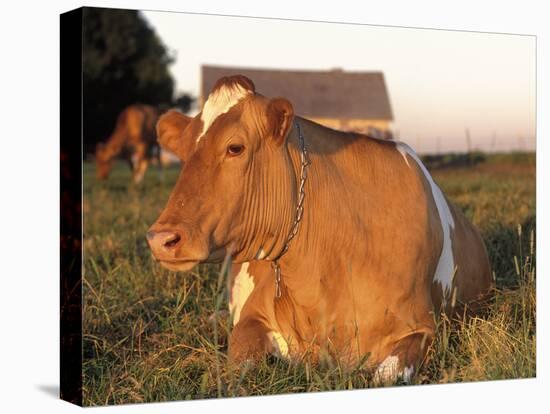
149,334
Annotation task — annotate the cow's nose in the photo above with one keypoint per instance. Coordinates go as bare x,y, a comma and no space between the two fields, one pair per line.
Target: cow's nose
165,240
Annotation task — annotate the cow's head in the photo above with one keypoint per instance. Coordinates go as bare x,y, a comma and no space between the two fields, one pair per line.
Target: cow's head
103,161
236,192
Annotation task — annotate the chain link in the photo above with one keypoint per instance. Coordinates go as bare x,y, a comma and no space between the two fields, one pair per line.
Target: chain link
304,160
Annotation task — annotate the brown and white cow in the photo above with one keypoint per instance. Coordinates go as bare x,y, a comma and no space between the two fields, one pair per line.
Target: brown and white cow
378,250
134,136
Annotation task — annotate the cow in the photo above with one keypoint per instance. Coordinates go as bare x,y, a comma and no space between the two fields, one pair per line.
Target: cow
344,244
134,137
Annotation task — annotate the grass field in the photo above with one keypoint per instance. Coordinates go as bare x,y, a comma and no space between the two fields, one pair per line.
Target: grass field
154,335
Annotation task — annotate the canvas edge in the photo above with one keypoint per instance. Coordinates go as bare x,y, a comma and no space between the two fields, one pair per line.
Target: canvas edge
71,206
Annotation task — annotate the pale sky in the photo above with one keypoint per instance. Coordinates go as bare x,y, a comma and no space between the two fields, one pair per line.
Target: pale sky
439,82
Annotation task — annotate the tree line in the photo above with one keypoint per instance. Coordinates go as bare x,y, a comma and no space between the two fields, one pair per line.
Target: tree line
124,62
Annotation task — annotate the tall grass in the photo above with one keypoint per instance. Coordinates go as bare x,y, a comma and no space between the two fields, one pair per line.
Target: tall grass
155,335
498,346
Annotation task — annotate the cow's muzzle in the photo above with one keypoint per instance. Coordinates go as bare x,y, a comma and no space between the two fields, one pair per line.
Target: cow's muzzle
168,248
163,244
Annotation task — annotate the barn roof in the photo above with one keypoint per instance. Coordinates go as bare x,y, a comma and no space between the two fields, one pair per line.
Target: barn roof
323,94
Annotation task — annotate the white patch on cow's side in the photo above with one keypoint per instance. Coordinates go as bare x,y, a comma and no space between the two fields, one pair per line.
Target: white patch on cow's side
261,254
387,371
280,346
219,102
445,271
243,285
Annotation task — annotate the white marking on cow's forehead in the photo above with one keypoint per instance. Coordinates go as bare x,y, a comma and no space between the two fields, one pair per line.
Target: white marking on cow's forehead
445,271
280,346
219,102
243,285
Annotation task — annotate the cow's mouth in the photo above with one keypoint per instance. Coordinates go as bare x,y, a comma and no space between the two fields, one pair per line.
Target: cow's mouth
179,265
184,265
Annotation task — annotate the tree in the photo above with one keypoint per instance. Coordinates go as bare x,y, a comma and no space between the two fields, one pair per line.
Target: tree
124,62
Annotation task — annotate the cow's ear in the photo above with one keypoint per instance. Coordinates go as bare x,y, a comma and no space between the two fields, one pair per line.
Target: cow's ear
280,115
170,127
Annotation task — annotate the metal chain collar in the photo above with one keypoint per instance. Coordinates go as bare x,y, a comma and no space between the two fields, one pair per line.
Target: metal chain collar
304,160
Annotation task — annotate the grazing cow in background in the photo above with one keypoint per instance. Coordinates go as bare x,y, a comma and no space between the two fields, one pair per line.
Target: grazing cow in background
347,246
134,137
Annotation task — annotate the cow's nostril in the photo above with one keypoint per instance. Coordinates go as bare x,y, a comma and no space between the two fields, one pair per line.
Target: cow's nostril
162,240
172,240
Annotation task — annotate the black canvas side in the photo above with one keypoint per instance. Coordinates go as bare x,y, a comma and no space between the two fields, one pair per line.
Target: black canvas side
71,206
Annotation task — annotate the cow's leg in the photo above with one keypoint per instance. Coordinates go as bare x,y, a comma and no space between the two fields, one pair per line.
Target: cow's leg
253,335
140,163
404,359
249,341
139,171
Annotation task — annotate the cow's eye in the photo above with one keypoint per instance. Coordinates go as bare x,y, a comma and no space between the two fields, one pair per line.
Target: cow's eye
235,149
